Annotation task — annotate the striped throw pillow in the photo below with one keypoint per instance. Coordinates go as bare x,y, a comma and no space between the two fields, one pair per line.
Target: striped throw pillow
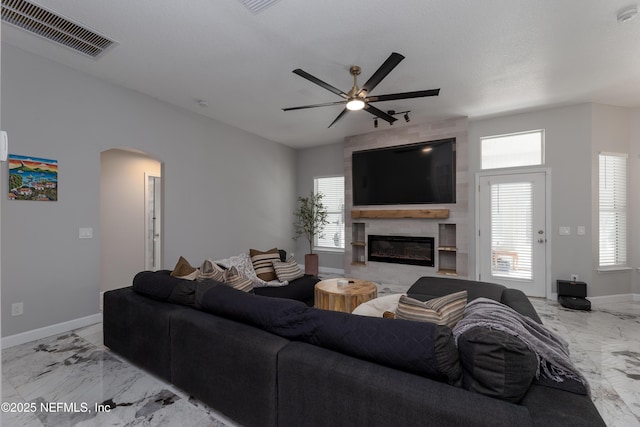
263,263
446,310
288,270
210,270
237,280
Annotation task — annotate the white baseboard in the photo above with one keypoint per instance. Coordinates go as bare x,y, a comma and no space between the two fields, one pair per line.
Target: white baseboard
614,298
48,331
326,270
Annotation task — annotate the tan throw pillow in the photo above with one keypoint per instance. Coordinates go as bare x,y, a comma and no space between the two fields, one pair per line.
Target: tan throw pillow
446,310
263,263
237,280
288,270
184,270
210,270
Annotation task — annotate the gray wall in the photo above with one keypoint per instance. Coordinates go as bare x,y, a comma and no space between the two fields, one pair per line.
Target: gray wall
226,190
568,155
327,160
610,132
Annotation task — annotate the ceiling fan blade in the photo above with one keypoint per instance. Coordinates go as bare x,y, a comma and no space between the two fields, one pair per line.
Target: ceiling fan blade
379,113
404,95
326,104
388,65
319,82
342,113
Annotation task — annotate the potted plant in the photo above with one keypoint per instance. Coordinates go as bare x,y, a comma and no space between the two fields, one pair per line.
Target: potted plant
311,218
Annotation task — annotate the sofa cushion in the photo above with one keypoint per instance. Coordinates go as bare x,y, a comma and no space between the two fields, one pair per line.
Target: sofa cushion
446,310
189,292
421,348
428,287
155,284
301,289
263,263
288,270
496,364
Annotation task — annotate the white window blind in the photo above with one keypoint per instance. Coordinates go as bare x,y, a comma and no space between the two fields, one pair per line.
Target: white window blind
513,150
613,209
332,189
511,230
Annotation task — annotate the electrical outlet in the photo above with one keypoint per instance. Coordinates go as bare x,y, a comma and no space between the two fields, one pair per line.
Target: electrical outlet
16,309
574,278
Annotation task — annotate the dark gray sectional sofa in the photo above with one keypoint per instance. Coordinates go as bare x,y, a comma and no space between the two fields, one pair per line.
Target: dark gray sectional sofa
265,361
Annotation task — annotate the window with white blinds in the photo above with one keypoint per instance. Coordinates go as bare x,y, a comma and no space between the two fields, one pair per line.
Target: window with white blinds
512,150
332,189
613,209
511,230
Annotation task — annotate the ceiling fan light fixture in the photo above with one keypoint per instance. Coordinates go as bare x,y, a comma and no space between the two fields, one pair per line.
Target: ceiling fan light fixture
627,14
355,104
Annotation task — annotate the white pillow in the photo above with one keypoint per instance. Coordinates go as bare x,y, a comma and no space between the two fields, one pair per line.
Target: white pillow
376,307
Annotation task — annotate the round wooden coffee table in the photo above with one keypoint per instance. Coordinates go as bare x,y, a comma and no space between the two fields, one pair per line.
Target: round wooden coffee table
330,296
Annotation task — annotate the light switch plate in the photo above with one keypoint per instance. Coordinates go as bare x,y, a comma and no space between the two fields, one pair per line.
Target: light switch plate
85,233
581,230
564,231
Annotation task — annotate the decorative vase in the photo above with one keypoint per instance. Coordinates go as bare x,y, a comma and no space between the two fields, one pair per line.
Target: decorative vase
311,264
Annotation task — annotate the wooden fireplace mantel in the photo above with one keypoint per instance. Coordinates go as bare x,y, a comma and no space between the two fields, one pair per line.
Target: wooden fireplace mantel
400,213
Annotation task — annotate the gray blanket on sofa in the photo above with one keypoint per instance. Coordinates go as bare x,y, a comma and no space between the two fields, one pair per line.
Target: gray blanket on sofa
551,350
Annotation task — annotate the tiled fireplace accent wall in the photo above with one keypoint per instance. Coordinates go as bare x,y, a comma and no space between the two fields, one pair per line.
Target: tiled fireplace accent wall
401,275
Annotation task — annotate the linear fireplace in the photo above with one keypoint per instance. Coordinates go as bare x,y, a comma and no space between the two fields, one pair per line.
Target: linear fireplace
401,249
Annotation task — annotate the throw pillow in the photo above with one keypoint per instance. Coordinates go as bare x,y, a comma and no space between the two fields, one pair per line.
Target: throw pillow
184,270
446,310
263,263
288,270
496,364
210,270
237,280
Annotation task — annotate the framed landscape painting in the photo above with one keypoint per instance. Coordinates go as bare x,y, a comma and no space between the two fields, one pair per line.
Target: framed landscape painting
33,178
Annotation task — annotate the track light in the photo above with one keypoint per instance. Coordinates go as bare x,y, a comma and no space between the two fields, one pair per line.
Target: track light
405,115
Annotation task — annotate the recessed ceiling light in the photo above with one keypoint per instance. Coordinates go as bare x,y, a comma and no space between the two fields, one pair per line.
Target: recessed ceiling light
627,14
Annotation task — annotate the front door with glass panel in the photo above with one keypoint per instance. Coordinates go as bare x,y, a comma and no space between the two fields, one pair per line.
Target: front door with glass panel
512,231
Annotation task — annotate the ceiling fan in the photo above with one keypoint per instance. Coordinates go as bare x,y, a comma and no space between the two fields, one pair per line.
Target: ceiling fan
358,97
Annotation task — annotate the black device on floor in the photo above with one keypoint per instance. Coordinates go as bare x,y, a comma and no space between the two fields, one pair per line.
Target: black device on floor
572,294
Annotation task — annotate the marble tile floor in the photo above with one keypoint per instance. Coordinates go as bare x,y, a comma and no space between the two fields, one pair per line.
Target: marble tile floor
75,368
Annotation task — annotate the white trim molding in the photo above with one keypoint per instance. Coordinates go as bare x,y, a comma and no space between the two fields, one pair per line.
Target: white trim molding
47,331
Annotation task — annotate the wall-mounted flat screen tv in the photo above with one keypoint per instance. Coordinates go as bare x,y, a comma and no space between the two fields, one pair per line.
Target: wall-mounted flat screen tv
419,173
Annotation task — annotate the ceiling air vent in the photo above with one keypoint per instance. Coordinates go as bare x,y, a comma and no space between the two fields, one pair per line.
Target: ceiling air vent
257,6
41,22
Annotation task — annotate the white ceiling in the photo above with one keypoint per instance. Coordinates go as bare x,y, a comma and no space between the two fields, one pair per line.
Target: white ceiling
488,57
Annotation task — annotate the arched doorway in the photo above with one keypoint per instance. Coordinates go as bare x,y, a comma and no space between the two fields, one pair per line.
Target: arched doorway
130,216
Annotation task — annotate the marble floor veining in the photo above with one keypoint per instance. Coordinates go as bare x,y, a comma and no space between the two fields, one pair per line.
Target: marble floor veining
79,382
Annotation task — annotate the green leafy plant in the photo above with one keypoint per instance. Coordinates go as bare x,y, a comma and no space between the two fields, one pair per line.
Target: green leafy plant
311,218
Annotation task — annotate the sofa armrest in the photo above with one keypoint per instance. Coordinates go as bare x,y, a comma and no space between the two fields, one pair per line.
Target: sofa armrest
517,300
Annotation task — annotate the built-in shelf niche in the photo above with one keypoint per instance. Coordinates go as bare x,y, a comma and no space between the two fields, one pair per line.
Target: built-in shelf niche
358,244
447,249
